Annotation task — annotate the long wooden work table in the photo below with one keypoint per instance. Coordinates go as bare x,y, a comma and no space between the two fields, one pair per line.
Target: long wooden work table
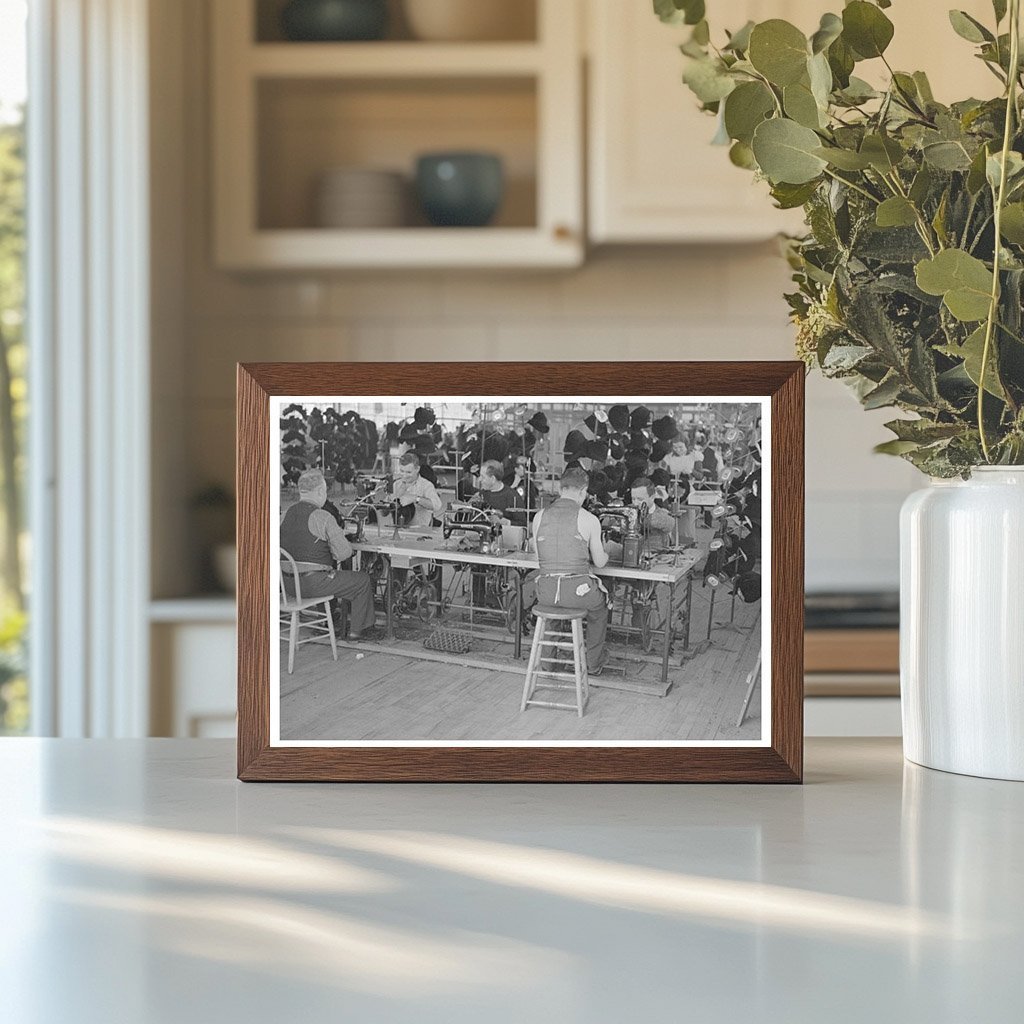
411,547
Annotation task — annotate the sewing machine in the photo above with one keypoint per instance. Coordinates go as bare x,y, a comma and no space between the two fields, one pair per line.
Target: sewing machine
353,521
472,519
368,484
629,522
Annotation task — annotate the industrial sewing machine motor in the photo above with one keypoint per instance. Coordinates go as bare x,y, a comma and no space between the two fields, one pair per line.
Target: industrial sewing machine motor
626,524
471,519
353,521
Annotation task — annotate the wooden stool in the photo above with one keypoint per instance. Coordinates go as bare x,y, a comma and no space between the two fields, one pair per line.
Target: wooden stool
547,636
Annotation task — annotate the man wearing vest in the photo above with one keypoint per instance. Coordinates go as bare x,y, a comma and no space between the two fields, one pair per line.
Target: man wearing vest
568,543
313,538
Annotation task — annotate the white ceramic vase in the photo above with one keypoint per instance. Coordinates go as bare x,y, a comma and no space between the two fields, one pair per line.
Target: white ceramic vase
962,624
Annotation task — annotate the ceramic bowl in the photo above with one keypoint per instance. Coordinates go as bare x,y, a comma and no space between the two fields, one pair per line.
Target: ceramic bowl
460,189
334,20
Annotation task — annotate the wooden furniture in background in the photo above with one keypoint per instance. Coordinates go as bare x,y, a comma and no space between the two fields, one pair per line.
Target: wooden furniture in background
285,112
851,662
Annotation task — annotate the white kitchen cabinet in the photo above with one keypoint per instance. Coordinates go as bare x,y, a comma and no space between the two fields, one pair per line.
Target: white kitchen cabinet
192,648
653,175
285,113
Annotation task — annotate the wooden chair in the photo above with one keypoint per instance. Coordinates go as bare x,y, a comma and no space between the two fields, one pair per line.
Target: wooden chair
317,612
545,635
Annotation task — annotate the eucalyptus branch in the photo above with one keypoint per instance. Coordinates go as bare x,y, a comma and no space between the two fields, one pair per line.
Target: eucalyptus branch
853,185
1000,198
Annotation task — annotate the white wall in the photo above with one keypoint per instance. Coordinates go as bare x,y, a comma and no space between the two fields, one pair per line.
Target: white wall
654,303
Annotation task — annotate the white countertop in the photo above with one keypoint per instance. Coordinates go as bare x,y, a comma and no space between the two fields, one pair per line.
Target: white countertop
142,884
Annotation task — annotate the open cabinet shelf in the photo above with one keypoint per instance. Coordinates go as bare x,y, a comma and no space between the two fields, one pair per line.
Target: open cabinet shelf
287,114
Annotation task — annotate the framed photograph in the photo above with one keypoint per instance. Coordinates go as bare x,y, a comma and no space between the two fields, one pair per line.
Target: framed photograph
520,572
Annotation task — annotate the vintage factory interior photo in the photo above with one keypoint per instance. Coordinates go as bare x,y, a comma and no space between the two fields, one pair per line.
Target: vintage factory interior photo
518,570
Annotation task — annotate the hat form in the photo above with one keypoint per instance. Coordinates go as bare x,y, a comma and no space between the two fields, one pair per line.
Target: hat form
618,417
640,417
575,442
423,417
639,441
665,428
539,422
661,449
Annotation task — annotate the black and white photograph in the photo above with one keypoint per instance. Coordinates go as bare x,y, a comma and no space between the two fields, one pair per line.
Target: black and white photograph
551,571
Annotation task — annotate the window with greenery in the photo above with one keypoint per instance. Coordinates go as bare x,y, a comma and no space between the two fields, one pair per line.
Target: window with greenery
14,702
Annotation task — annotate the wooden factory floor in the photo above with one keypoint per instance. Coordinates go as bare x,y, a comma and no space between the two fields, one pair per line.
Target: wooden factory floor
387,696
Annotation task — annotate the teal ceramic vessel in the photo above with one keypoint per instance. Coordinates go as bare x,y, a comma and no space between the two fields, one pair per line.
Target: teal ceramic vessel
334,21
460,189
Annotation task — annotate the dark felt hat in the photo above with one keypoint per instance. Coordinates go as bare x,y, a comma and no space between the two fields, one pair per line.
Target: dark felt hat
575,442
408,433
616,449
640,417
636,460
597,450
495,447
596,426
661,449
391,431
618,417
599,482
665,428
539,422
423,416
639,441
660,478
615,474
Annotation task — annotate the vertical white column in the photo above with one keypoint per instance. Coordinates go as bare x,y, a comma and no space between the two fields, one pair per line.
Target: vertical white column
89,340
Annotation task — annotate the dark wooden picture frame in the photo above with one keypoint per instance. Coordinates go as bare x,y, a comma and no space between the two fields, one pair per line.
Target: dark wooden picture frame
780,761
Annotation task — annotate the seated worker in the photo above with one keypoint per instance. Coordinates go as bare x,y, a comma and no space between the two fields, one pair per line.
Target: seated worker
313,538
660,522
527,497
568,544
493,492
412,489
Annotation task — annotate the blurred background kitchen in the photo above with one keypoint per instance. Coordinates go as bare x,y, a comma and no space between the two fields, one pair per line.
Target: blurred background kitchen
247,180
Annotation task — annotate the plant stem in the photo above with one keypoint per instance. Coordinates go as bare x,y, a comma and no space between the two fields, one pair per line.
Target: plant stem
922,225
853,185
993,309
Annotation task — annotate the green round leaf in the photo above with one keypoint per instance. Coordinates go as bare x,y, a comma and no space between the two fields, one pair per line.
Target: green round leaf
963,281
968,28
708,81
829,30
742,156
746,107
785,152
895,212
779,51
801,106
866,29
882,152
844,159
1012,223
